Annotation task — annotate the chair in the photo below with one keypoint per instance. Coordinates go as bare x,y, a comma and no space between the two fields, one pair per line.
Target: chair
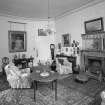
63,66
17,78
5,61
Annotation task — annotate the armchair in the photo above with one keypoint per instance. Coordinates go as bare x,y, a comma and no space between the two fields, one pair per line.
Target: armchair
17,78
63,66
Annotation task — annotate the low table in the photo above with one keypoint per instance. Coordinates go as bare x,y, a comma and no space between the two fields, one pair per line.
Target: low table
53,77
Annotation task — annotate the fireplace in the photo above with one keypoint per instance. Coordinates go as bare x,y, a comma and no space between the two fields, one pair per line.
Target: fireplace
93,52
95,63
95,60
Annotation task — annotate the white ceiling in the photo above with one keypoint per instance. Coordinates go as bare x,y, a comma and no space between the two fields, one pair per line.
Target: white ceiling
38,9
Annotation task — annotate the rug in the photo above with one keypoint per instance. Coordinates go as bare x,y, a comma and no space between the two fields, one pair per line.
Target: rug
44,96
90,88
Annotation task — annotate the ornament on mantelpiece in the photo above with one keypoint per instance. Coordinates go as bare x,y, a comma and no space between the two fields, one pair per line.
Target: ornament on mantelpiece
75,46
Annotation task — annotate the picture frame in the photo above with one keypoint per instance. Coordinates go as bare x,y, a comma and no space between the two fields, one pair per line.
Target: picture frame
93,26
42,32
66,39
17,41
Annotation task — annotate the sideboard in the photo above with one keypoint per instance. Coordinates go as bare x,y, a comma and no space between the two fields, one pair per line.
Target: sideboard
23,62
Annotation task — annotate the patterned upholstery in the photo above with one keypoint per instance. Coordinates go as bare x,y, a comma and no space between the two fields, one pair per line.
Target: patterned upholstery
64,68
16,77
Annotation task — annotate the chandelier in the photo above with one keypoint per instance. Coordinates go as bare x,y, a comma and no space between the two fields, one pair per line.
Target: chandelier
48,28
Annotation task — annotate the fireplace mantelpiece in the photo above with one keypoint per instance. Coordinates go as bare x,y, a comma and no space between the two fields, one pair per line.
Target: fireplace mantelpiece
89,51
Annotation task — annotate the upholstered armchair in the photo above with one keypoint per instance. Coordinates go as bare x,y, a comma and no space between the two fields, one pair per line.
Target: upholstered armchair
63,66
17,78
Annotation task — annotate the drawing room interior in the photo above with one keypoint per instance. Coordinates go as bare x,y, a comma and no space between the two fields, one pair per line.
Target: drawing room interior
64,37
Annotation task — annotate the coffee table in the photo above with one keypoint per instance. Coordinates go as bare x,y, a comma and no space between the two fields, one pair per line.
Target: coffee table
53,77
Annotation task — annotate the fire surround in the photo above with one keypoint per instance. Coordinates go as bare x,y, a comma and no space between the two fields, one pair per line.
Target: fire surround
90,52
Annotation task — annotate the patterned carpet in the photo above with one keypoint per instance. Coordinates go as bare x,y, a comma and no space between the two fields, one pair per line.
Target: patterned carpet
69,93
90,88
45,96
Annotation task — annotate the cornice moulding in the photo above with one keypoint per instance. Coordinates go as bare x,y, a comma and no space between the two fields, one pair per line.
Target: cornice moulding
78,9
23,18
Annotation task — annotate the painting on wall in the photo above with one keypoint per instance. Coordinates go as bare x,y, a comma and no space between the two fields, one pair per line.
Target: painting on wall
66,40
42,32
93,44
95,25
17,41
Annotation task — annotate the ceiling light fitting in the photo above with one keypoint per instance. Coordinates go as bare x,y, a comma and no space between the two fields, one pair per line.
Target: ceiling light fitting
48,28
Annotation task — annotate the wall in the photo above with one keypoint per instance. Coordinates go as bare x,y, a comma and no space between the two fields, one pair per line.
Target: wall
34,42
74,23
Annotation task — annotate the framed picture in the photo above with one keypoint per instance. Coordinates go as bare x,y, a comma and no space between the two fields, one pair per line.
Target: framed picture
66,40
93,44
42,32
17,41
95,25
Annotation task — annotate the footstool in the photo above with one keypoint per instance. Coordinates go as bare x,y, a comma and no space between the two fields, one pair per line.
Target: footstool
81,78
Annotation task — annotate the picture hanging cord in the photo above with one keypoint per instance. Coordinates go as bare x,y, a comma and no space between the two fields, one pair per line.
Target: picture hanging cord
17,23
